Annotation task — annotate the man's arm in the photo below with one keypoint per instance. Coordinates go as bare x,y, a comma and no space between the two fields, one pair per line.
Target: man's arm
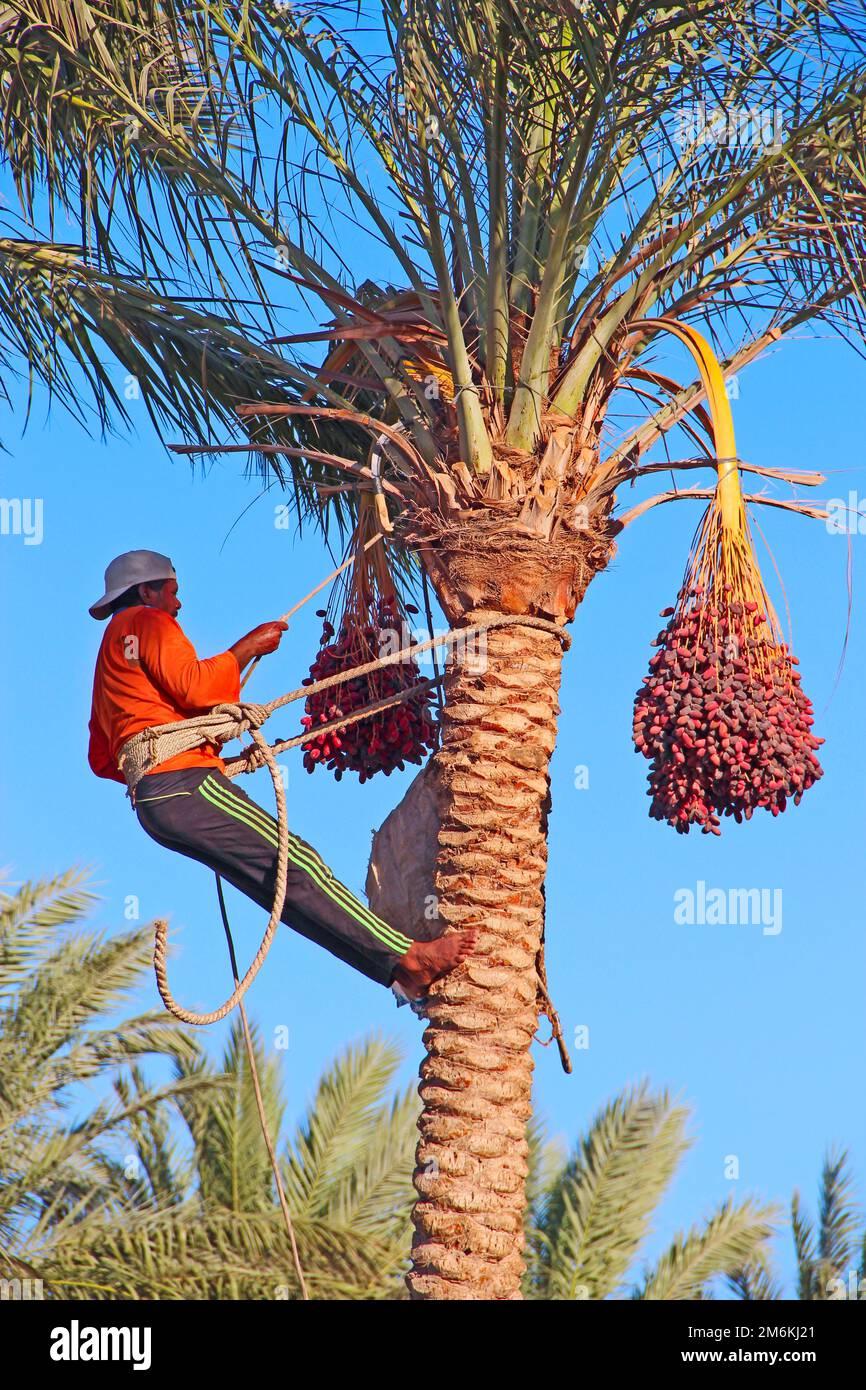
169,658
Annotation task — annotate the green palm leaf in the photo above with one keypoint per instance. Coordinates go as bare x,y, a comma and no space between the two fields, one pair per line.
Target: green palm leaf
600,1206
56,983
231,1161
733,1237
341,1120
839,1215
117,1205
755,1282
804,1246
205,1254
829,1255
29,920
376,1195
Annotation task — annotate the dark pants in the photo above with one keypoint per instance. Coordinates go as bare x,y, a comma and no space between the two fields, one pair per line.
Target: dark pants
203,815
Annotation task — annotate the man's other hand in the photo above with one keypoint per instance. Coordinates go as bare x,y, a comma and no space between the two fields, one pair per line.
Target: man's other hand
263,639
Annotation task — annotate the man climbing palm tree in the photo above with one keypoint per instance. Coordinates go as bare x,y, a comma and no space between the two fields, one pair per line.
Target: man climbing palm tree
147,673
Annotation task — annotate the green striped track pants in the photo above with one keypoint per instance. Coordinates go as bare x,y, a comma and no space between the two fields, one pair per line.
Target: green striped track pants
202,814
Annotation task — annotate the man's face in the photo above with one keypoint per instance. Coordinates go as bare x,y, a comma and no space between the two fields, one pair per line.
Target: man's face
162,596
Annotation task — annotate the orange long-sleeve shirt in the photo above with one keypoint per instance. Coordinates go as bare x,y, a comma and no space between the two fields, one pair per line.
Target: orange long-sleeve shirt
147,673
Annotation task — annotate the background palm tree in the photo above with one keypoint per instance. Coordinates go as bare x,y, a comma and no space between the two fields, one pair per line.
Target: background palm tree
128,1203
591,1212
540,178
831,1260
168,1193
199,1218
56,984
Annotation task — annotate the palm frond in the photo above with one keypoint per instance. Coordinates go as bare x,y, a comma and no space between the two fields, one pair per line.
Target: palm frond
804,1248
377,1194
600,1205
231,1161
508,138
736,1235
57,980
755,1282
45,1043
839,1215
29,920
205,1254
339,1124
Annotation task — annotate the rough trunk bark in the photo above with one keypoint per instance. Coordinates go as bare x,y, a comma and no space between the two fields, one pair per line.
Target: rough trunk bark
498,733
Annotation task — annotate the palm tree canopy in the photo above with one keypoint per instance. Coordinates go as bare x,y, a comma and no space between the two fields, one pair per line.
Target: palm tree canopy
167,1192
592,1212
55,986
537,176
201,1217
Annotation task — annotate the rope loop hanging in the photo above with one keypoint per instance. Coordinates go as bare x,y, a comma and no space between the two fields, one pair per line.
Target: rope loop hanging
160,948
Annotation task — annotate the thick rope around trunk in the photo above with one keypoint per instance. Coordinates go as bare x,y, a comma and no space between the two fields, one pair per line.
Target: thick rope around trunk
150,747
154,746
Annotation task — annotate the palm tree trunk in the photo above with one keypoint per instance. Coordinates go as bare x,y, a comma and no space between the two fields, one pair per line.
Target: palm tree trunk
498,733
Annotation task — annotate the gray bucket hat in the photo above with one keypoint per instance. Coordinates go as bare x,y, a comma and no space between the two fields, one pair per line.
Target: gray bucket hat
135,567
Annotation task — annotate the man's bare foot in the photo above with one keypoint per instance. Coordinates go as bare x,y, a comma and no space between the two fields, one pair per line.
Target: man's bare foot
426,961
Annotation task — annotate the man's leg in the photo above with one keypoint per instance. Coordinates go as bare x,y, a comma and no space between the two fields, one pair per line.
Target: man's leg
203,815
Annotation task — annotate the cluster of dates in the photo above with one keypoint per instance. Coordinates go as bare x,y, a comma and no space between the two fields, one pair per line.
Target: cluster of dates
722,717
389,738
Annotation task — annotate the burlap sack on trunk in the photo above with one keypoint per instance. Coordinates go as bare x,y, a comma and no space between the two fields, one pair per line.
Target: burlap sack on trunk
402,859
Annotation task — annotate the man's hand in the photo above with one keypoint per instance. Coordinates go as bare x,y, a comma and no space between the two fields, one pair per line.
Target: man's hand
263,639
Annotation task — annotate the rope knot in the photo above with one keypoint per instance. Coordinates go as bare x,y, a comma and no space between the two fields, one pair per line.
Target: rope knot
253,758
242,717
